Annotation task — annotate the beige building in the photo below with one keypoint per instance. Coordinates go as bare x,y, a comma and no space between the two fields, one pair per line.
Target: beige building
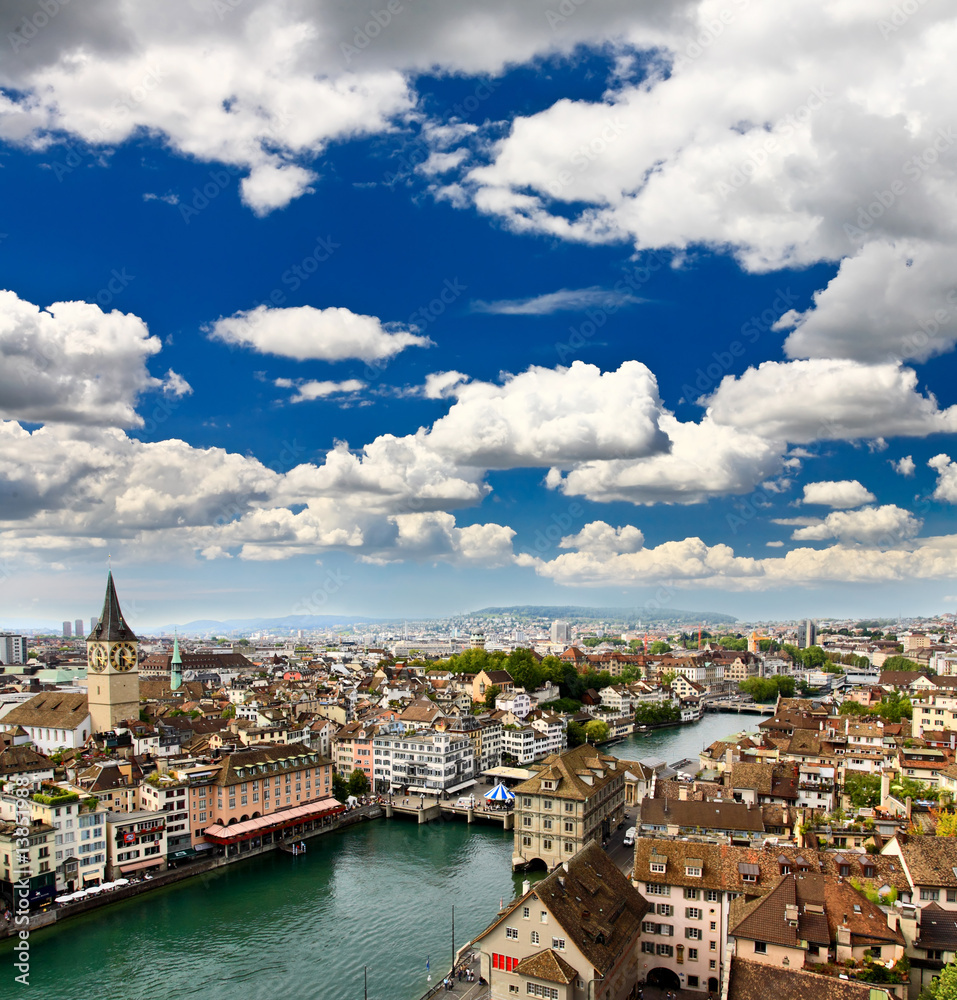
574,798
574,936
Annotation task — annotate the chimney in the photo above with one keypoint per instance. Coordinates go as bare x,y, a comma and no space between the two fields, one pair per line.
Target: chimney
526,885
683,793
565,866
893,919
908,804
885,786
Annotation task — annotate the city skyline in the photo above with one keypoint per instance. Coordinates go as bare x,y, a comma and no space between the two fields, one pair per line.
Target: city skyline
406,312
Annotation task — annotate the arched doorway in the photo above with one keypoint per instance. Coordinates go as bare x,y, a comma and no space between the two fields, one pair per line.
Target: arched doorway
664,978
713,984
534,865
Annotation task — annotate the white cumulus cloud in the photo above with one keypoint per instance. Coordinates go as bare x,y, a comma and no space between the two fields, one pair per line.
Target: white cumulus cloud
839,493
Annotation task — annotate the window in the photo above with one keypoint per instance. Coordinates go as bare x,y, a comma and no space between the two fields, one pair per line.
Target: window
526,841
929,894
714,926
526,821
546,803
691,893
547,824
558,944
649,927
543,916
692,982
546,845
693,871
569,807
693,933
935,956
534,990
569,847
952,895
526,912
712,964
569,828
511,932
692,913
692,954
712,896
512,988
665,910
657,889
657,867
760,947
533,937
664,949
712,946
648,947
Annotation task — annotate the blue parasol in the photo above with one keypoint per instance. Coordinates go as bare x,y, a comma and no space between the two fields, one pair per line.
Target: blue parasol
499,794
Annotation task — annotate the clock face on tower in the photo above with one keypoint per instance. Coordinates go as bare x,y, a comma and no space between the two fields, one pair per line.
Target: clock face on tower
123,656
98,658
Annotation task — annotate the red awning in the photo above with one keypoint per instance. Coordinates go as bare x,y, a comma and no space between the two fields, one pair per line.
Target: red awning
220,834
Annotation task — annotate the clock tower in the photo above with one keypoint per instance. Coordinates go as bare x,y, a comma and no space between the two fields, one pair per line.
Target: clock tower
113,678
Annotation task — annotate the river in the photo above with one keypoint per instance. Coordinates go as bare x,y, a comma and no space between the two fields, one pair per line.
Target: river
379,894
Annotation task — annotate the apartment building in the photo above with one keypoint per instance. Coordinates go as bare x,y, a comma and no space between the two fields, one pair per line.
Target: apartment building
430,763
135,843
574,798
574,936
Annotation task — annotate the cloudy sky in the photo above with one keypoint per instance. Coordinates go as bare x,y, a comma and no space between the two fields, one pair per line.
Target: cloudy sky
421,306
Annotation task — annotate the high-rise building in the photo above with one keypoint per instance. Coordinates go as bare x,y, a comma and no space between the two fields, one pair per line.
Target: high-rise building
561,632
68,630
807,633
13,648
93,621
113,682
78,627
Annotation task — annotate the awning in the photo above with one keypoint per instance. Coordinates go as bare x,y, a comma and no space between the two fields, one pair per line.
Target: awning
203,847
179,855
274,821
458,788
136,866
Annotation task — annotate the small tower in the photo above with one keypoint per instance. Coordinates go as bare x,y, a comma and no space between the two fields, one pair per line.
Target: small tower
113,679
176,667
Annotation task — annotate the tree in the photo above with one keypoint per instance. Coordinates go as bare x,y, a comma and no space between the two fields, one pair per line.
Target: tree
946,824
864,790
340,787
900,663
491,693
576,734
229,712
358,782
943,987
596,731
659,647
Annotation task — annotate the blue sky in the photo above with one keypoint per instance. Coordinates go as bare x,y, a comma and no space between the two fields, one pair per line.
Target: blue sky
564,304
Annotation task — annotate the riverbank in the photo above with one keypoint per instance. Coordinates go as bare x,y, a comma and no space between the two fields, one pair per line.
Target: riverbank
57,913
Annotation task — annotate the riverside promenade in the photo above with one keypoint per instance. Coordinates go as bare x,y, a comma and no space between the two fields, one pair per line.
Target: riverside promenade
426,809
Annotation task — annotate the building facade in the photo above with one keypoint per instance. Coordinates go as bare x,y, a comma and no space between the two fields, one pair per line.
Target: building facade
428,763
575,798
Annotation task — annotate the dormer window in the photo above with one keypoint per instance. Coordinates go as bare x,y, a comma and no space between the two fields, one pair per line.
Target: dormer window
693,867
658,863
748,873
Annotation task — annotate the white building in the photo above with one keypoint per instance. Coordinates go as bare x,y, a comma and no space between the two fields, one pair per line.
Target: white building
79,840
518,703
136,842
13,648
430,762
555,730
521,743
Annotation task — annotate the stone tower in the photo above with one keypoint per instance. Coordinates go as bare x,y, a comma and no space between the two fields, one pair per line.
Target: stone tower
113,676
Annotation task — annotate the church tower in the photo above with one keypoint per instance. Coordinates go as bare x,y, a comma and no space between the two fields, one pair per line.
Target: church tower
176,667
113,676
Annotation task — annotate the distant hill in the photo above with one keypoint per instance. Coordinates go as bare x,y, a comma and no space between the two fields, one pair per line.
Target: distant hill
265,624
577,613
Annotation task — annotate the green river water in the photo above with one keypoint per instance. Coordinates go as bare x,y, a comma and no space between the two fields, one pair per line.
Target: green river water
379,894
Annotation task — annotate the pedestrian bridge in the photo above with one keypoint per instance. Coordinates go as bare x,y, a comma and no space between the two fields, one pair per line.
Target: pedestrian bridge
427,810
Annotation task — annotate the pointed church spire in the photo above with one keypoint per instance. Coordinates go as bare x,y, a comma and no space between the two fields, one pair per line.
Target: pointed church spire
176,666
112,626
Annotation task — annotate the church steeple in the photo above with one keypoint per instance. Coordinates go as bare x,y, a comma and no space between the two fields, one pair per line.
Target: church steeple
112,626
176,666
